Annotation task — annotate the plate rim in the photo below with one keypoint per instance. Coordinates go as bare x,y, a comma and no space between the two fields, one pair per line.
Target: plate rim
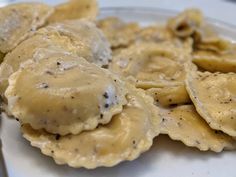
164,11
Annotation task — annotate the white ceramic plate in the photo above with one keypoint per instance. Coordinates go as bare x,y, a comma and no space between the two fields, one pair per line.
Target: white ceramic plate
166,158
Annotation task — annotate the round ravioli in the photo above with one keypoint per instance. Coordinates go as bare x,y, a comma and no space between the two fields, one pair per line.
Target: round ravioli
118,33
74,9
151,64
90,42
213,95
213,62
169,95
79,37
18,21
129,134
67,94
186,23
183,123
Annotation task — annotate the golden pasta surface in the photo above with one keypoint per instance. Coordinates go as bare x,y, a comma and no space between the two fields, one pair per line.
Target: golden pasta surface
18,21
67,94
213,94
78,37
92,92
74,9
183,123
129,134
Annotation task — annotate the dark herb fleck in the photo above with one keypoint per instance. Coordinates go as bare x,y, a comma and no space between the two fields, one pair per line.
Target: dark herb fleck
106,105
49,72
57,136
198,142
106,95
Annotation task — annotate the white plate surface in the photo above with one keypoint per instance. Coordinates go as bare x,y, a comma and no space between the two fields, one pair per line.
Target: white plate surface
166,158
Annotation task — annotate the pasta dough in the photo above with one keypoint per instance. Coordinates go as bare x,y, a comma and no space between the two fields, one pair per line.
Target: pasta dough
214,44
89,41
169,95
186,23
18,21
154,33
74,9
151,64
1,57
214,94
79,37
129,134
214,62
67,94
118,33
183,123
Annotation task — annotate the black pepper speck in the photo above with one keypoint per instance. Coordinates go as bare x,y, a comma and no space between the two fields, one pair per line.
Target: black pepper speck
106,95
57,136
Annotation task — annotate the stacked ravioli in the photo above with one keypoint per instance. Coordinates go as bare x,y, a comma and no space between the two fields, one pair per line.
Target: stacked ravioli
95,93
54,83
188,70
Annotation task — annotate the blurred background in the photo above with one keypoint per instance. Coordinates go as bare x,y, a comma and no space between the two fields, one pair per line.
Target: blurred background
224,10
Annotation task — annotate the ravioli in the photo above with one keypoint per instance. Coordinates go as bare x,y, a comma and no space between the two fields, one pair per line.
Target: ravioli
169,95
186,23
79,37
67,94
129,134
207,39
18,21
75,9
26,50
154,33
184,124
90,42
215,44
118,33
213,95
151,64
213,62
